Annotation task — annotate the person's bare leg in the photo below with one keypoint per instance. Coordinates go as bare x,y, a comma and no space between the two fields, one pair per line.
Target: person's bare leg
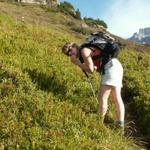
103,100
119,105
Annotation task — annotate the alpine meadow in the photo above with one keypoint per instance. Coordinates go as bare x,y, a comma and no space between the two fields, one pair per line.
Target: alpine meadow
46,103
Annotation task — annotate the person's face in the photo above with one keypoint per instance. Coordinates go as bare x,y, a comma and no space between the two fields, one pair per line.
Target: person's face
71,50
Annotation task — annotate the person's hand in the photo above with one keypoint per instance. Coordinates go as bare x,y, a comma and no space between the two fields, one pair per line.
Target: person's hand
95,68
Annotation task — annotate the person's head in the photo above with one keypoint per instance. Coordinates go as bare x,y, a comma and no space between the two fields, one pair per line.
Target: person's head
70,49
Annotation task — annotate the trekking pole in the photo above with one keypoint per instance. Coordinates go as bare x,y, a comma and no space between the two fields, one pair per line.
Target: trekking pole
89,81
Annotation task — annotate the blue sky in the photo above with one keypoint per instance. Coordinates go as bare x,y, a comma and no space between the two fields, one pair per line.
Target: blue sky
123,17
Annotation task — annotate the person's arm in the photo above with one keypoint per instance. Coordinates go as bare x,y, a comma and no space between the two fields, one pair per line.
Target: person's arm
86,54
88,65
77,62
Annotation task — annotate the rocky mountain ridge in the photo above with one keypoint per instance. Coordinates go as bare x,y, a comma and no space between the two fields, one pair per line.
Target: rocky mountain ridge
142,37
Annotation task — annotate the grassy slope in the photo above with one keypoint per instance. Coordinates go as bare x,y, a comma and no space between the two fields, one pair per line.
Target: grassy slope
45,102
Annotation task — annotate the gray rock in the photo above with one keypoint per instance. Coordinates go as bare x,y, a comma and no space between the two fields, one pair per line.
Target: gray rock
142,37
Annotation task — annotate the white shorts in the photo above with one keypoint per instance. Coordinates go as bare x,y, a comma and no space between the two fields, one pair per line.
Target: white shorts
113,73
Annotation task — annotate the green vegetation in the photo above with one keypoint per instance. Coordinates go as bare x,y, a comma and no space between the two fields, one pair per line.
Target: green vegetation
68,8
41,105
95,22
81,30
46,103
137,85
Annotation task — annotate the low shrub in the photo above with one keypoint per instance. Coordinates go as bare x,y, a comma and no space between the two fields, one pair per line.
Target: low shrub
82,30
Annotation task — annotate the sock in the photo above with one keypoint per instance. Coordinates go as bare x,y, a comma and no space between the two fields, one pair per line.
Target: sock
120,123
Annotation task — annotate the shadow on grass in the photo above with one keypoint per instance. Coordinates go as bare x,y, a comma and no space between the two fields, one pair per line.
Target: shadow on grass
51,83
47,83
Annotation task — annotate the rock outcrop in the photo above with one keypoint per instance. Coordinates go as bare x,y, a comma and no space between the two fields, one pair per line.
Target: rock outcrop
142,37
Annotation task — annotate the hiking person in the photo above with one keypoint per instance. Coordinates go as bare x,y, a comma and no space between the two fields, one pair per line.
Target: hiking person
87,57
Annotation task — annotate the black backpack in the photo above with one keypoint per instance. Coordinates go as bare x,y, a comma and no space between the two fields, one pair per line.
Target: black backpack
105,43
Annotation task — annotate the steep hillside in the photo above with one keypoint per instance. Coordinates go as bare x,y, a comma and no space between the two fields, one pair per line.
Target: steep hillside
46,103
43,15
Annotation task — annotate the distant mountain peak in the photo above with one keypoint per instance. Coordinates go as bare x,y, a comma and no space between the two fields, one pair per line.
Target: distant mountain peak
142,37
